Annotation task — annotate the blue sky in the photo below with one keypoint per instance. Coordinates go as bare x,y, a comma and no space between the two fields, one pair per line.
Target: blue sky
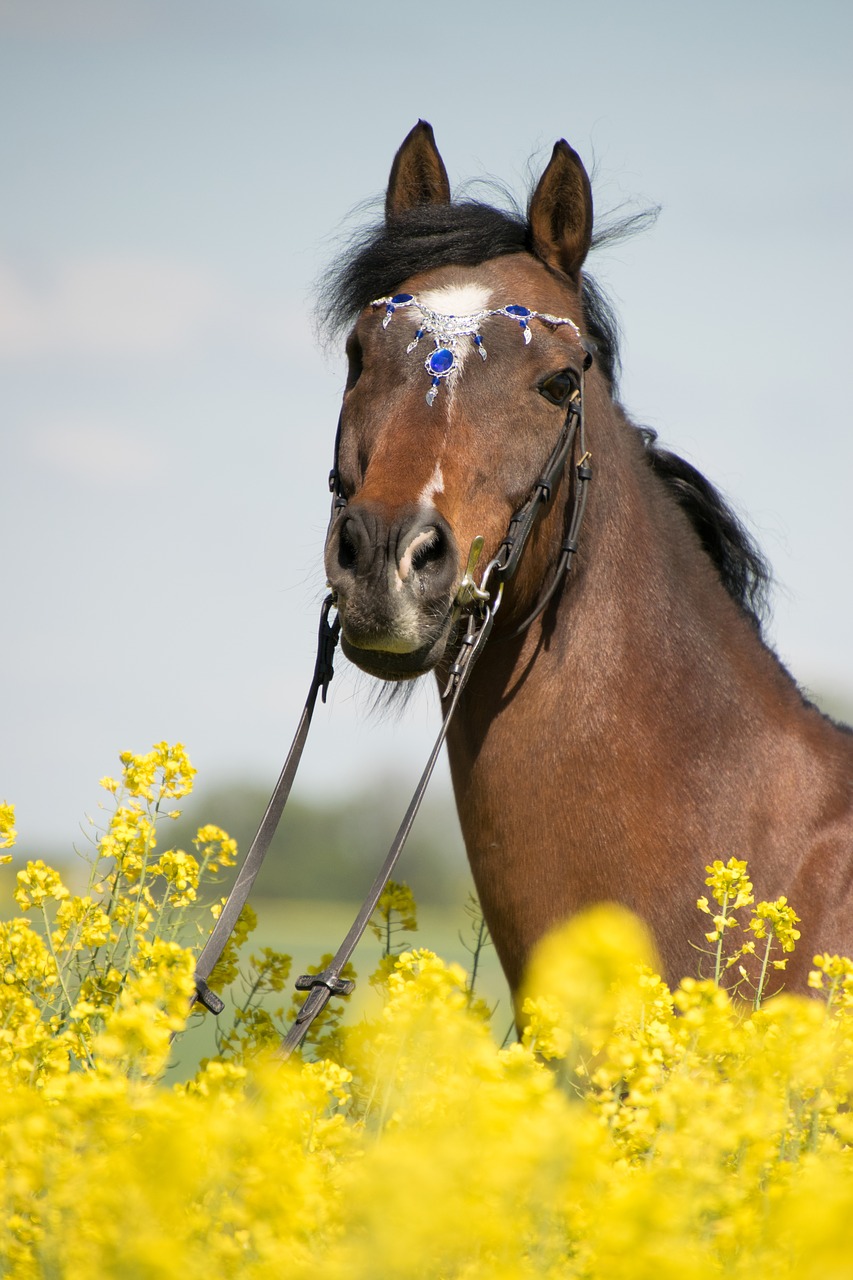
174,178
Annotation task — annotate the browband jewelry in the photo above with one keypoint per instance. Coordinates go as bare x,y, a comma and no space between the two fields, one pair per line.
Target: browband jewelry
446,330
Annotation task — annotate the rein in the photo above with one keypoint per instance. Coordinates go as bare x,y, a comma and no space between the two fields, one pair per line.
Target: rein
479,605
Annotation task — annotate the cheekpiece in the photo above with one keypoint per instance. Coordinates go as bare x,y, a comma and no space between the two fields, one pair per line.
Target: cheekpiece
446,331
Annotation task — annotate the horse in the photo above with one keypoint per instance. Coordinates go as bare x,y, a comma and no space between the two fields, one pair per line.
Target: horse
626,723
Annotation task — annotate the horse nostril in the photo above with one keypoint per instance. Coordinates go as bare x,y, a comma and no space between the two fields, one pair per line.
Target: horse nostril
429,551
369,555
347,549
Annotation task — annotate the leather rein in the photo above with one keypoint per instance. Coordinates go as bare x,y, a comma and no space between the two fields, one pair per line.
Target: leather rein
477,604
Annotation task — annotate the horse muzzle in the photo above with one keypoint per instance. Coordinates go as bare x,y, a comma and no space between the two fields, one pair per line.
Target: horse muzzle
394,581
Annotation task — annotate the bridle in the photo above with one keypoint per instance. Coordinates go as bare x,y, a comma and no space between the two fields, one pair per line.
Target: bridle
476,605
509,553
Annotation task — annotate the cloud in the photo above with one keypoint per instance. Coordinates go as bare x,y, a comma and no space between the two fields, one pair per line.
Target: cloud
107,306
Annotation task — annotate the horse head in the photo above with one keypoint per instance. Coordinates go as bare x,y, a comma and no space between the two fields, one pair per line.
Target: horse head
462,362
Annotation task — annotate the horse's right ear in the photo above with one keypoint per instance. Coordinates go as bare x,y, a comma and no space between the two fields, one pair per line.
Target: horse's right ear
418,175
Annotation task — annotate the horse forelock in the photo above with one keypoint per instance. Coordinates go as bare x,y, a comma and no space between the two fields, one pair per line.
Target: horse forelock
379,258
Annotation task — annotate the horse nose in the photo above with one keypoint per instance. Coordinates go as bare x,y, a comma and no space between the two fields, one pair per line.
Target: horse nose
410,555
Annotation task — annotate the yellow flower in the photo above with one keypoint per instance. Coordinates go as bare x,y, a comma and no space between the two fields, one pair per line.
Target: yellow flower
172,766
129,839
180,870
777,918
729,884
834,975
38,884
395,913
7,827
215,847
81,923
670,1134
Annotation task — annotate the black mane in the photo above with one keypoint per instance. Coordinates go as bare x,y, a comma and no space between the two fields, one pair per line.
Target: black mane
469,233
745,573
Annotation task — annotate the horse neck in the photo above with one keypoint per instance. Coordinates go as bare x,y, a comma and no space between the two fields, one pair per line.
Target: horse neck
639,730
611,751
643,619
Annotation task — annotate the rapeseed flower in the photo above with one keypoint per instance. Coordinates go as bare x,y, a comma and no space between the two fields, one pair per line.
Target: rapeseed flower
631,1132
7,829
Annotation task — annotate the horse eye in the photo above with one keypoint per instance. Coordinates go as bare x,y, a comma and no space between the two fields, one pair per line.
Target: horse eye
559,386
354,358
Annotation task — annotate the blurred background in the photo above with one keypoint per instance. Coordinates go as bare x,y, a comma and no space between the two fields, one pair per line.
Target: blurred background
175,176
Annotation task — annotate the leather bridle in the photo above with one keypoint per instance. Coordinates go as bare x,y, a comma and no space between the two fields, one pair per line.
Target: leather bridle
476,605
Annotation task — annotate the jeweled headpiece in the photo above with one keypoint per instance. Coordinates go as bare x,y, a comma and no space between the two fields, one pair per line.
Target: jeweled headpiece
446,331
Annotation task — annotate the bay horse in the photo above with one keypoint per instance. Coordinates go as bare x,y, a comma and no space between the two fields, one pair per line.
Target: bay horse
638,727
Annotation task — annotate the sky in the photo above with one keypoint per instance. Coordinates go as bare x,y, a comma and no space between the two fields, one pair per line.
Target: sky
176,175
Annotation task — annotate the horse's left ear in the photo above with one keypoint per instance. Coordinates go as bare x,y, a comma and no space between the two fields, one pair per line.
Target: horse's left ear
561,212
418,175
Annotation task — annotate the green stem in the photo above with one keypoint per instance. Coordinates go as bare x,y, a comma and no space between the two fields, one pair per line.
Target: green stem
475,959
718,960
55,958
150,841
759,990
177,921
65,991
252,992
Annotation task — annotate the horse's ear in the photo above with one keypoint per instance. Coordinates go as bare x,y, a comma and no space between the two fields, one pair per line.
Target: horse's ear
418,175
561,211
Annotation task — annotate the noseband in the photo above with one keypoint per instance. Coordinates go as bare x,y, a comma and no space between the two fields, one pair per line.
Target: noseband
476,604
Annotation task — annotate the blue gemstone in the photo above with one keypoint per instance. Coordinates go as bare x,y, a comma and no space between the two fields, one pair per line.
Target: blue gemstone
440,361
512,310
400,298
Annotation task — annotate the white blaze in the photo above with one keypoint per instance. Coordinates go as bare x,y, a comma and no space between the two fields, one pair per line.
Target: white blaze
457,300
434,485
460,301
